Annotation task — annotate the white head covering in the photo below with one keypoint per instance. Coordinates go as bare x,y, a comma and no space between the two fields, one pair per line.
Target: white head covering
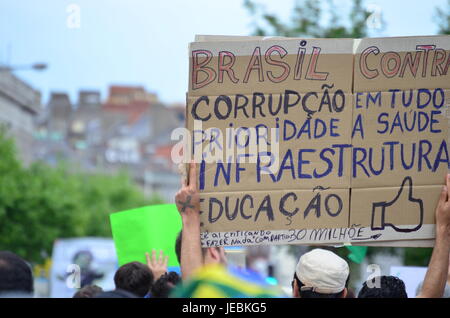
322,271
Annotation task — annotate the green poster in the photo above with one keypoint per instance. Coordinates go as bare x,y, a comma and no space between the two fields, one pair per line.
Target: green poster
140,230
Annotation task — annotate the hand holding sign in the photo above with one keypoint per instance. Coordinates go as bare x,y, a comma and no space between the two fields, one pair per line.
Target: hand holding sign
187,199
443,212
188,204
382,212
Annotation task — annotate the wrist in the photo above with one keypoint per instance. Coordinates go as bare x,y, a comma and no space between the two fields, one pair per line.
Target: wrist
192,220
443,233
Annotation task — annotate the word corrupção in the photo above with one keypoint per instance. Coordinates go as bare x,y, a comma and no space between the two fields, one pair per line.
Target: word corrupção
261,105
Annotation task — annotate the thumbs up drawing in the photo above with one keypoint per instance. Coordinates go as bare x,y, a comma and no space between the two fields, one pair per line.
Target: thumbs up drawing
383,211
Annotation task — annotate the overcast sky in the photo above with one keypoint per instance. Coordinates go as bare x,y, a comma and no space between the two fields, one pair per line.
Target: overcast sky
144,42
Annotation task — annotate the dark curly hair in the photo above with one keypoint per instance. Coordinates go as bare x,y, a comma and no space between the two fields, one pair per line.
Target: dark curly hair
164,285
135,278
390,287
15,274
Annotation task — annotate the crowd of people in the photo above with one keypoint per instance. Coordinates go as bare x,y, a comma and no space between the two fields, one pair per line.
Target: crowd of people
320,273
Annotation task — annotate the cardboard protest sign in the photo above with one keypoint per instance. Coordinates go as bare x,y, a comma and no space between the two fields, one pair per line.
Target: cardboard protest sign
400,133
141,230
318,141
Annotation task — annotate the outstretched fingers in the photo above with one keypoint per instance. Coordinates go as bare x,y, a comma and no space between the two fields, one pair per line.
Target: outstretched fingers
147,257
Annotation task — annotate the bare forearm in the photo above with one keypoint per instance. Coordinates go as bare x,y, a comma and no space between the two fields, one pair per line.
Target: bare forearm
191,252
436,277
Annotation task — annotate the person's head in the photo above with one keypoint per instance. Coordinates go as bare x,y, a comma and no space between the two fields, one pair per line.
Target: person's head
165,284
383,287
88,291
117,293
211,255
83,259
15,275
320,274
134,277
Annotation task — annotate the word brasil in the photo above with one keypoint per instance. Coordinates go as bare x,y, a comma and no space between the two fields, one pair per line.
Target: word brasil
273,58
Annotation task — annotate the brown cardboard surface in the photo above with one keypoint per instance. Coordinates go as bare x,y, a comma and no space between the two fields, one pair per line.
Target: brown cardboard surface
411,243
271,66
278,210
392,206
391,130
405,207
402,63
316,145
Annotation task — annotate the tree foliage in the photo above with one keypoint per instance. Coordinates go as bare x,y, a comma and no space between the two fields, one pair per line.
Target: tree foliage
39,204
311,18
443,18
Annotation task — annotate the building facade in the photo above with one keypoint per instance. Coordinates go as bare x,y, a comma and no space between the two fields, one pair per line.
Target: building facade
20,104
129,131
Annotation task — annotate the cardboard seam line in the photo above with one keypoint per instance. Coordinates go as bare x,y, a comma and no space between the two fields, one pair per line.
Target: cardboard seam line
352,92
318,91
267,93
237,54
400,90
349,207
271,190
312,190
331,188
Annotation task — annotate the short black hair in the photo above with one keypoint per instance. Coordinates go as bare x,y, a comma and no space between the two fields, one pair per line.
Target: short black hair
178,246
15,274
165,284
313,294
88,291
134,277
117,293
390,287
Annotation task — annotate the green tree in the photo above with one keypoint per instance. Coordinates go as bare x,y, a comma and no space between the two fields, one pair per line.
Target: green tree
40,204
443,18
309,20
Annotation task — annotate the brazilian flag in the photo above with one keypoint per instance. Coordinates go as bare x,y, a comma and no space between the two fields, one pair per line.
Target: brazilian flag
217,281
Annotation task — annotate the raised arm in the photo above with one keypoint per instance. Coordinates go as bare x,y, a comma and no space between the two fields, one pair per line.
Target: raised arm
188,204
436,277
